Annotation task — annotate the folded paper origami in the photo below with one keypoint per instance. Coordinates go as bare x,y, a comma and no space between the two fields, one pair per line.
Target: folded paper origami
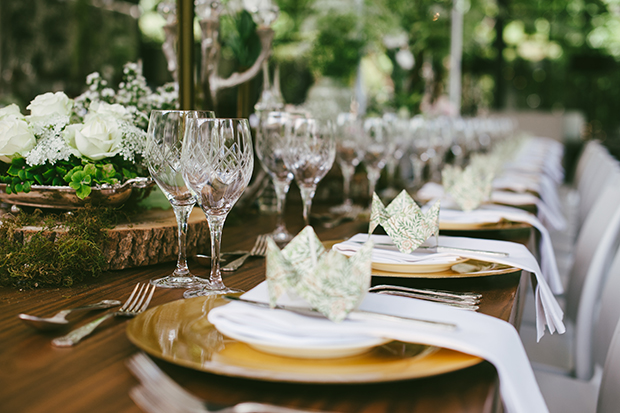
330,282
403,220
469,187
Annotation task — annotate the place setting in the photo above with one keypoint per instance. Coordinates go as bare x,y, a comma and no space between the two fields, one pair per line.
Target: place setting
316,318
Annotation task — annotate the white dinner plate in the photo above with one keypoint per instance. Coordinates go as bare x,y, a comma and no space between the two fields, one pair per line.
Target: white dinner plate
333,348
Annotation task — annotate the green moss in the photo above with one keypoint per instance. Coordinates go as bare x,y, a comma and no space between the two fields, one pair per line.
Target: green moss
54,258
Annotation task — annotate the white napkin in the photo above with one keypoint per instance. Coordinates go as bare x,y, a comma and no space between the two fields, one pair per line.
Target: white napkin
476,334
494,213
551,217
548,311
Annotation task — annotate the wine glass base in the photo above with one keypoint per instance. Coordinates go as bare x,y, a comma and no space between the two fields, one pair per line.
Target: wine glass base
179,282
281,237
210,291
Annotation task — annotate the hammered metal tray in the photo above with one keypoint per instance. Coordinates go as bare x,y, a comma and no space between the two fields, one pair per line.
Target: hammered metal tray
64,197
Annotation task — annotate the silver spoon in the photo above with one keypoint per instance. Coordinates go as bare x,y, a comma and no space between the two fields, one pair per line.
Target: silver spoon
59,320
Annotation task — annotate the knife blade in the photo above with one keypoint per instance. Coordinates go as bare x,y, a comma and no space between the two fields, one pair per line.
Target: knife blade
355,315
440,248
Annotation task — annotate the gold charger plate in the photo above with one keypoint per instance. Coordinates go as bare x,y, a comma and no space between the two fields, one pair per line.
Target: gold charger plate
477,269
180,333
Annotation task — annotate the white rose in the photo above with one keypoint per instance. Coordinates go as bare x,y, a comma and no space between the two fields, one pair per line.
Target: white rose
97,138
15,138
12,111
105,109
50,104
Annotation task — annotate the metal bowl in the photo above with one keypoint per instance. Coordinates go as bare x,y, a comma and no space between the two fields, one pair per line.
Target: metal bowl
64,197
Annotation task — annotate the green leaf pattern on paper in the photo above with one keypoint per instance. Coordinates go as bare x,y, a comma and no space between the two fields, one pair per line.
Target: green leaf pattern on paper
330,282
472,186
404,221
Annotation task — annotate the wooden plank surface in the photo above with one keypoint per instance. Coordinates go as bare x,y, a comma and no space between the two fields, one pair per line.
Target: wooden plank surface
92,377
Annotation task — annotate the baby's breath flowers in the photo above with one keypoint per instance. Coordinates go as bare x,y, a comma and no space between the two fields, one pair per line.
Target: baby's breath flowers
101,133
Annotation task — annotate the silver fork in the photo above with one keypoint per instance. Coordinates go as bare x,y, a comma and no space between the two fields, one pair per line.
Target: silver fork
158,393
258,250
466,300
137,302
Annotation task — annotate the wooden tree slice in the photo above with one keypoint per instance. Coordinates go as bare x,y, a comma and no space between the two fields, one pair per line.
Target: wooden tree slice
153,239
148,239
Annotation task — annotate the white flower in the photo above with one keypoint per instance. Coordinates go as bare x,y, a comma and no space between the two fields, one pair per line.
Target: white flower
97,138
15,138
12,111
108,110
49,105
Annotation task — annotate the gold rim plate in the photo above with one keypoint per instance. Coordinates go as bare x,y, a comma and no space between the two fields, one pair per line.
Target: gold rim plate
180,333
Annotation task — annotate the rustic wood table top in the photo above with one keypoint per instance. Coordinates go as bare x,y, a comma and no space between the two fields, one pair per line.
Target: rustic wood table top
92,376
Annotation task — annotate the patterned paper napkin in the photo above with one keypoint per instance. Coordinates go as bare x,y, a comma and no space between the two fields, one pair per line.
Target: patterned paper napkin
331,283
404,221
470,187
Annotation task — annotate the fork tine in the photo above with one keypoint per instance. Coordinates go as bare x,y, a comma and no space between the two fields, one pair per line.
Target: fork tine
129,301
147,301
262,250
137,299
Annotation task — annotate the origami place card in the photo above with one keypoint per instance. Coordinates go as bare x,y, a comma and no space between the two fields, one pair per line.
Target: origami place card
469,187
330,282
404,221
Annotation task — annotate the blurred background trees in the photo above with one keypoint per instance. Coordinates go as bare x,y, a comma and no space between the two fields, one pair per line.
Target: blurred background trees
553,55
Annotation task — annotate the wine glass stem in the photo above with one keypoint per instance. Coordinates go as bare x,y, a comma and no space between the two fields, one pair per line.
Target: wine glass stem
391,171
181,213
216,223
347,174
373,178
281,187
307,193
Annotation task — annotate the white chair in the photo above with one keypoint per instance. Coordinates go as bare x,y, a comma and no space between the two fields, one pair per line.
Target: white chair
568,394
596,247
594,166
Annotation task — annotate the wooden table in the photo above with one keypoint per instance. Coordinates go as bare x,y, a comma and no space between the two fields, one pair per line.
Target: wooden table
92,377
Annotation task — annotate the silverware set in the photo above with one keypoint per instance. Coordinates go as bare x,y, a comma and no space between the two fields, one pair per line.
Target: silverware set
465,300
258,250
137,302
158,393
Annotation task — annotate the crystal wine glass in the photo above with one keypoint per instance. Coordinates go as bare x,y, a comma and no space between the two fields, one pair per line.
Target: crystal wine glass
309,155
349,154
218,161
377,151
163,159
397,131
270,146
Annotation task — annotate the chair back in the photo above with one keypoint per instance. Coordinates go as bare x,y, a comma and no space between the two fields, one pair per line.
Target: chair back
599,309
609,392
598,223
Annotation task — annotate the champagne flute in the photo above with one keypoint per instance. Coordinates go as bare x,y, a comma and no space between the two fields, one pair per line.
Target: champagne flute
217,164
309,155
270,147
163,159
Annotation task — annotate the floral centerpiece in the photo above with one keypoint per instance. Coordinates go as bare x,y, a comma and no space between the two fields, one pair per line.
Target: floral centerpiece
97,139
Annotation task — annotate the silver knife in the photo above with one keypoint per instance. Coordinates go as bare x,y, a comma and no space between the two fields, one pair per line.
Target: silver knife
442,248
355,315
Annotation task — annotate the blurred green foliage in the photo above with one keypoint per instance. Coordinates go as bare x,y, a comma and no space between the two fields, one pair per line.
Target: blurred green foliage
554,55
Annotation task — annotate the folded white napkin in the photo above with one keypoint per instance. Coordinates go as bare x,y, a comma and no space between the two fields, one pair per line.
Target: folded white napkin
476,334
494,213
551,217
548,311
